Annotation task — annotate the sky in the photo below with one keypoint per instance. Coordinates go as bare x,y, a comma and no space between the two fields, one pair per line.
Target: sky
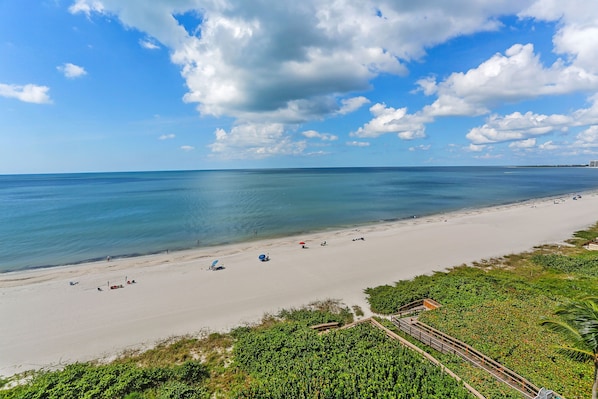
136,85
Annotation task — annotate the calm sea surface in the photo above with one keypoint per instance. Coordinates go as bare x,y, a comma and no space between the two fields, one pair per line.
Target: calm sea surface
57,219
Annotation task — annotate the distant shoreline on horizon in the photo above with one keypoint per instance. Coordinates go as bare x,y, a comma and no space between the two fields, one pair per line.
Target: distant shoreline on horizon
296,168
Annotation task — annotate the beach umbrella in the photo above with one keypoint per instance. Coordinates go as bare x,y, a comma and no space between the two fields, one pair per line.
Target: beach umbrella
214,263
262,257
302,243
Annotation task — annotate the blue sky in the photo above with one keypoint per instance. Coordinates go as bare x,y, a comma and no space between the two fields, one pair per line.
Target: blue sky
112,85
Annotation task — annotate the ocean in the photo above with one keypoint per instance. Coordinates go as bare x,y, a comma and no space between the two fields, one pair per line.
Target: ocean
56,219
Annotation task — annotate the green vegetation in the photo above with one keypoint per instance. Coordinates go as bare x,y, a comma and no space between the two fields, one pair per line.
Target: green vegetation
290,361
280,358
582,265
84,380
580,325
497,306
357,310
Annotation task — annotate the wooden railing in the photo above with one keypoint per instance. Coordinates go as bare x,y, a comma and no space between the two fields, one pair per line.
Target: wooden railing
325,326
446,344
417,306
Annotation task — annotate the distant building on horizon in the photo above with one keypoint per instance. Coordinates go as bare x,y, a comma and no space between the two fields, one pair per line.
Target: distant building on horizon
593,164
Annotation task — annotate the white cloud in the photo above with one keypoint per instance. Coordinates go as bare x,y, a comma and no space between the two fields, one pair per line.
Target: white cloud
513,77
358,143
86,7
587,116
311,134
576,30
488,156
255,141
476,147
391,120
187,148
28,93
257,62
517,126
167,136
148,44
349,105
272,68
587,138
72,71
522,144
421,147
548,146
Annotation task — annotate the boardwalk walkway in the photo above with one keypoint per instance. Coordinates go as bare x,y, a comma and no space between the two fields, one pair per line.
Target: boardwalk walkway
447,344
406,320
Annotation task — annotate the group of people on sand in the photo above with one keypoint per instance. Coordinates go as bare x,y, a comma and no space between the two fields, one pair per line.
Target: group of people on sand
117,286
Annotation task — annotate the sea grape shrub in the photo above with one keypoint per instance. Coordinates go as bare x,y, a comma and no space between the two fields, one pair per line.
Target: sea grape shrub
293,361
85,380
309,317
179,390
462,286
580,265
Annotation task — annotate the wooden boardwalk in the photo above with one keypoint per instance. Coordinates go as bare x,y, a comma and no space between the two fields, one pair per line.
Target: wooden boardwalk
406,320
447,344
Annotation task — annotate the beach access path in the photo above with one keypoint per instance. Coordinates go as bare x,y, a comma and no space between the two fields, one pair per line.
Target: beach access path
47,322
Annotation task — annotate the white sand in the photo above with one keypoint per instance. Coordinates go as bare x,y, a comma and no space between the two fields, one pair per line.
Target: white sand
45,322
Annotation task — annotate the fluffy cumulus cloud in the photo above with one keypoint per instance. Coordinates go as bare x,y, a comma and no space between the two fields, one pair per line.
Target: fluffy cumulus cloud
588,140
29,93
517,126
299,61
272,66
391,120
521,131
515,76
72,71
577,29
311,134
523,144
255,141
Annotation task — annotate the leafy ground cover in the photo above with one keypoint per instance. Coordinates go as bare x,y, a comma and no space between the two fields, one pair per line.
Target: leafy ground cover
497,307
280,358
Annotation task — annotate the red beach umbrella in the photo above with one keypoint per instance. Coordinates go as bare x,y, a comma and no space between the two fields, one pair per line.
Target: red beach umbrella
302,243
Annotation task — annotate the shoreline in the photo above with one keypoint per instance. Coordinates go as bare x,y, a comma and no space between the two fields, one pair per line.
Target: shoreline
331,230
48,322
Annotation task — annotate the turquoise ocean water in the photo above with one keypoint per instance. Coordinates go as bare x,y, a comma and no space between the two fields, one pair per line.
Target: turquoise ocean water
56,219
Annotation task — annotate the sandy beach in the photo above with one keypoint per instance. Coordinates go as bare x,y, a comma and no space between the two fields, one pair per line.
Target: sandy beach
47,321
